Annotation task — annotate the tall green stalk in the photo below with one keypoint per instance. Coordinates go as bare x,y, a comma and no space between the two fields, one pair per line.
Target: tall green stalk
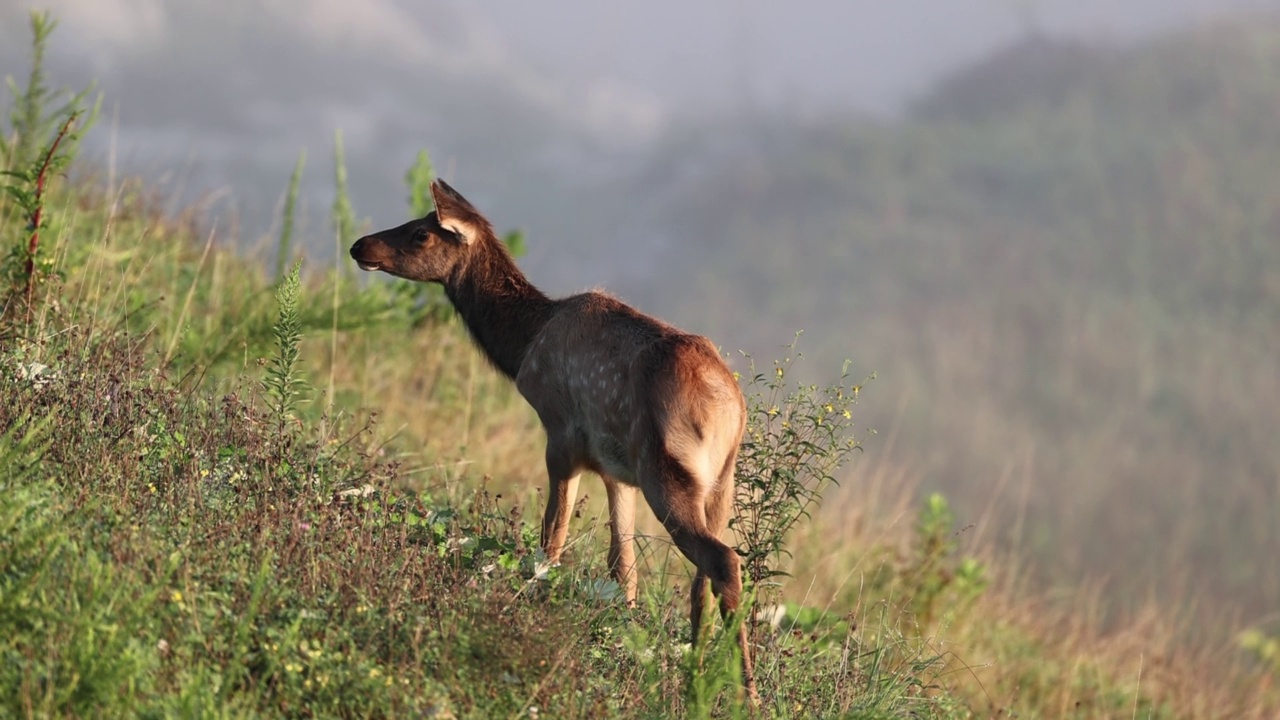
284,251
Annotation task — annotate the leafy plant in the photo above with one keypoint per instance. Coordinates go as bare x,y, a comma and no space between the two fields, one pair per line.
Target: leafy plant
935,571
282,383
23,267
418,178
31,122
797,440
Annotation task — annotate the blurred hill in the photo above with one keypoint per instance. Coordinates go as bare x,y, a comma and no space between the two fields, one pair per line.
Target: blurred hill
1064,265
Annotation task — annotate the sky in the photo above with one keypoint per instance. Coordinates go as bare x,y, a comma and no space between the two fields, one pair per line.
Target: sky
520,103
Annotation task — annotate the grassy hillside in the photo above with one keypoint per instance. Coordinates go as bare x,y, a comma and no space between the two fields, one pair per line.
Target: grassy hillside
231,492
1064,266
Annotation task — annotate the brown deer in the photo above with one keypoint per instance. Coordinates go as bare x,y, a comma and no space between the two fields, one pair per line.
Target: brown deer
625,395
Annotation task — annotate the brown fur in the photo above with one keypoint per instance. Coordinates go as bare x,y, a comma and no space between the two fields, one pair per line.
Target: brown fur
641,403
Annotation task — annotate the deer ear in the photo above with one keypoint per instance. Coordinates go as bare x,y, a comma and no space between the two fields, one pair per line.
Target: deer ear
454,213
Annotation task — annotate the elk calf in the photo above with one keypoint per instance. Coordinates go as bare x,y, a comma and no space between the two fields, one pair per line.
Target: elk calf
637,401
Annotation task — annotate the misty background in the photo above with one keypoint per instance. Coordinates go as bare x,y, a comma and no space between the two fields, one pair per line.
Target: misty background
1050,228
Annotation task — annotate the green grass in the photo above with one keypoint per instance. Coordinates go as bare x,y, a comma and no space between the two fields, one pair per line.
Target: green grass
168,551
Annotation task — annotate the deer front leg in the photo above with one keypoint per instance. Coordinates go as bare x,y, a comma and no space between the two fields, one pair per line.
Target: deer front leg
622,531
563,478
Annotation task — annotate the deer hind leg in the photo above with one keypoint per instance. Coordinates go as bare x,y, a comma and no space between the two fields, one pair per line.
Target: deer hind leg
717,518
719,508
563,476
622,531
686,505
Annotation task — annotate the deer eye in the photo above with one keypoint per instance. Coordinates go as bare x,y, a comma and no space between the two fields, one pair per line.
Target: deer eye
420,234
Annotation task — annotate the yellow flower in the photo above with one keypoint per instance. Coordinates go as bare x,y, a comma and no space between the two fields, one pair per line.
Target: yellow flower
847,414
175,596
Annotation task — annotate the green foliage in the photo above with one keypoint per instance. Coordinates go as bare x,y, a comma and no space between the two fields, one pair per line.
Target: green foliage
798,437
65,608
418,178
40,147
282,383
23,266
31,122
342,214
1265,647
284,249
936,576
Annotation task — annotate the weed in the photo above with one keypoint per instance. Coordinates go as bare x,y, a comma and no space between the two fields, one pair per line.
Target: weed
282,384
797,440
284,249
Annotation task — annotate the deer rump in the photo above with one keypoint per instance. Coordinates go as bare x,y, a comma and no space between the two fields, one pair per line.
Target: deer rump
616,390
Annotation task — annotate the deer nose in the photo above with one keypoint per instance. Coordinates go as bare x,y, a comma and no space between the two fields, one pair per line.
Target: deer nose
356,247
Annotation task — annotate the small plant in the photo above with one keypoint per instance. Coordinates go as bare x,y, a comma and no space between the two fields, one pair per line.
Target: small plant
31,124
418,178
1264,646
42,145
798,438
282,384
934,571
23,267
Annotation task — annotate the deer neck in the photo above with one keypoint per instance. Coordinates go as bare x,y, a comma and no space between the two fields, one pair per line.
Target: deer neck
503,311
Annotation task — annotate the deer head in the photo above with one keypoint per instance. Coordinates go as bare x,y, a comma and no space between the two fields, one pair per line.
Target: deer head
430,249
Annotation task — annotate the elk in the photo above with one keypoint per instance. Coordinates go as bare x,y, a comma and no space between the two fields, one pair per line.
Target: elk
639,402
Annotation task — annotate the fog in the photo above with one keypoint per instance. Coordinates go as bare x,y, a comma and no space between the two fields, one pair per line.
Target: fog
222,96
1061,266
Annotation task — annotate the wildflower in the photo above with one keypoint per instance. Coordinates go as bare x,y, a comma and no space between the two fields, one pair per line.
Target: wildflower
773,411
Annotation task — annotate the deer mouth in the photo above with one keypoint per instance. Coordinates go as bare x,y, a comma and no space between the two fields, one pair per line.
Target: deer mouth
364,265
